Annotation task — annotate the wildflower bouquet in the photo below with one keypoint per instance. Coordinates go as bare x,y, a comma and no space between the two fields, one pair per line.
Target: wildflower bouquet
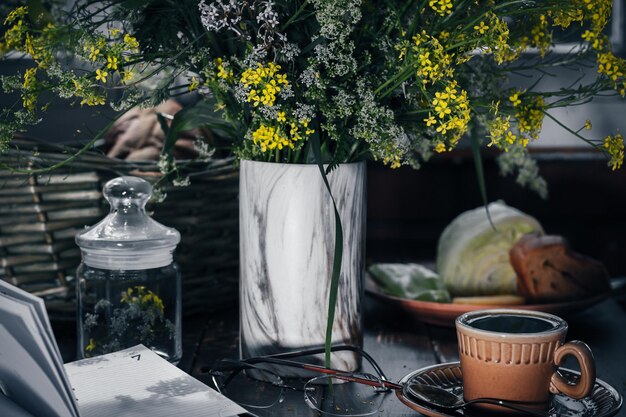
394,80
321,81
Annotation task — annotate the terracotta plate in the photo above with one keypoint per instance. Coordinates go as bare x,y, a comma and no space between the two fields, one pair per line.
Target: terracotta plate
444,314
604,400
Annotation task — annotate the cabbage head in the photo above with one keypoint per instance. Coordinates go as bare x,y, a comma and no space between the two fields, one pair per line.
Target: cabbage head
473,257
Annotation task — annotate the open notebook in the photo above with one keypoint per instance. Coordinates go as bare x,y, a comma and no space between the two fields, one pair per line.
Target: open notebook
133,382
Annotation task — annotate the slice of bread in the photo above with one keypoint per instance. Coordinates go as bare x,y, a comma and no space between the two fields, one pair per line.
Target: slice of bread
548,270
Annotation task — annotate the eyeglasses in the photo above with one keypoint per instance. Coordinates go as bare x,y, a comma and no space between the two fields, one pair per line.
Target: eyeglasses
255,383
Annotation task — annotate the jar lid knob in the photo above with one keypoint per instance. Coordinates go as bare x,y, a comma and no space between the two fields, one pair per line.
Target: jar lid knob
125,192
127,238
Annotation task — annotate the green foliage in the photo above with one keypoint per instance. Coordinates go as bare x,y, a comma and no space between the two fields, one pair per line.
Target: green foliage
393,80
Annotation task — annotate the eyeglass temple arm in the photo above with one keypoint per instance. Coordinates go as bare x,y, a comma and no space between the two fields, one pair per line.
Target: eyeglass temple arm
347,376
335,348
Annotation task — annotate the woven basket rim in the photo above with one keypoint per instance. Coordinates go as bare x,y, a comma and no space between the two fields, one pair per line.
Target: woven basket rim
51,153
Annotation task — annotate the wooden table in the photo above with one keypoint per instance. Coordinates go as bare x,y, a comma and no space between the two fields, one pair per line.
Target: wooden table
401,344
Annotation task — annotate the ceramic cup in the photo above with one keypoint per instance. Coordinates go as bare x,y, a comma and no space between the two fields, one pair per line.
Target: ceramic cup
514,354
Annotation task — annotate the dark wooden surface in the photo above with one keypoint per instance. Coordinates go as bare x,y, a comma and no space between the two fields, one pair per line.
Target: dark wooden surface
398,342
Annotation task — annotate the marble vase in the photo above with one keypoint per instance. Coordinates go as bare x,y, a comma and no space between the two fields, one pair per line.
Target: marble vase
287,235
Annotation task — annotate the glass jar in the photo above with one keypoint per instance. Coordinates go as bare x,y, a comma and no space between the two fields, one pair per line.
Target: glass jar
128,286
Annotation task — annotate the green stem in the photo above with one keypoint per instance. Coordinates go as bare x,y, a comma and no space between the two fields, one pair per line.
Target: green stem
353,150
168,62
589,142
295,16
395,81
389,81
71,158
480,172
493,9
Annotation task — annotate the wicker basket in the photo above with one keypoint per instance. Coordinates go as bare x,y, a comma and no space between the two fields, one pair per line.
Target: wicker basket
40,214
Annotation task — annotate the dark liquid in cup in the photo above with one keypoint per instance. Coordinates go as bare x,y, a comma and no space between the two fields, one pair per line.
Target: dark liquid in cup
510,323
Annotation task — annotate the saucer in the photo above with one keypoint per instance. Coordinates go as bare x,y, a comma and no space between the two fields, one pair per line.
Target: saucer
604,400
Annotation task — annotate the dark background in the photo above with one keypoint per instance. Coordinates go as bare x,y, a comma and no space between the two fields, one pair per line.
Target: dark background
408,210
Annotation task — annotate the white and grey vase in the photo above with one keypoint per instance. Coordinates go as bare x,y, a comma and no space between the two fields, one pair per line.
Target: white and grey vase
287,237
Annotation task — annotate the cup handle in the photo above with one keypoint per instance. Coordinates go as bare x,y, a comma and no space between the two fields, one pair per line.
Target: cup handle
587,370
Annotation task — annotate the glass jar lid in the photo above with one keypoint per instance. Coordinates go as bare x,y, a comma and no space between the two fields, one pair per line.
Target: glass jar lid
127,238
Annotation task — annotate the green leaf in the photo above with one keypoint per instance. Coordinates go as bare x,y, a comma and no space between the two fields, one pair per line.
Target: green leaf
163,122
480,172
40,15
338,253
193,116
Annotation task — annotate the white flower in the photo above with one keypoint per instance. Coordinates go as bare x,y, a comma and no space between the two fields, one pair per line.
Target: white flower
181,182
518,159
220,14
304,112
205,152
165,164
309,77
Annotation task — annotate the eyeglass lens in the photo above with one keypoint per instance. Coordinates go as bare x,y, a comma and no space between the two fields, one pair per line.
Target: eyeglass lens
256,388
337,397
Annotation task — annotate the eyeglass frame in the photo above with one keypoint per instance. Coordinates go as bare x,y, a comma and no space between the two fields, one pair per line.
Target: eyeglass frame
384,386
381,383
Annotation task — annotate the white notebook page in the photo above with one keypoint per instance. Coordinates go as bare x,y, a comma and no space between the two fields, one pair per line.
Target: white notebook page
137,382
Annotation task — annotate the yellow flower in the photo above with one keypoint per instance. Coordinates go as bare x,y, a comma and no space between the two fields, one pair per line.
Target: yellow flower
29,77
114,31
101,75
497,129
222,70
611,66
442,128
15,14
481,28
514,98
94,52
441,107
431,120
269,138
589,35
433,63
93,99
442,7
112,62
264,82
131,41
440,147
77,85
510,137
614,146
127,76
394,162
194,83
587,125
530,117
28,102
91,346
281,116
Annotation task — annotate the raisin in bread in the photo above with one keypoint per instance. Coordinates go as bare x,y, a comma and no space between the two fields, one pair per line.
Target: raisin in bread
548,270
